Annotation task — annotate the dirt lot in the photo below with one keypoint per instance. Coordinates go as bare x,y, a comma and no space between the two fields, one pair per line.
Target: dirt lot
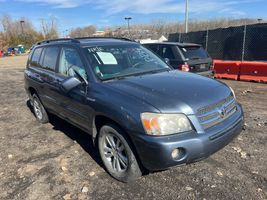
58,161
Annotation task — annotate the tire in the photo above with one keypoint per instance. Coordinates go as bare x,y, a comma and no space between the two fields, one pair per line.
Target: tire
39,110
117,155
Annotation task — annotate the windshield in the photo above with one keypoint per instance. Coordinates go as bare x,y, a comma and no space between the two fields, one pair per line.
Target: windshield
117,61
194,52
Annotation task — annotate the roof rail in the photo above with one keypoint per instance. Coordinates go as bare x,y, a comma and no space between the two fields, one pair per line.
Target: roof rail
58,40
76,40
119,38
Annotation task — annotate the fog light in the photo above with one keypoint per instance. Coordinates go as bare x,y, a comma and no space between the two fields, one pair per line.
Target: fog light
176,154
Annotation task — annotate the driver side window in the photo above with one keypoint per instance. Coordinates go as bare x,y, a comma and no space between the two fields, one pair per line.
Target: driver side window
70,63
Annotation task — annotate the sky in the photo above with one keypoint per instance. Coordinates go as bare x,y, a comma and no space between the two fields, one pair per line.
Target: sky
105,13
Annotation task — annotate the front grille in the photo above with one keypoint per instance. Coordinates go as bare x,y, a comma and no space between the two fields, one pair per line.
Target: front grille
216,113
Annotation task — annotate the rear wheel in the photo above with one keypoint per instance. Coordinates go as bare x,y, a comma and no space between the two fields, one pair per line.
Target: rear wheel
39,110
117,155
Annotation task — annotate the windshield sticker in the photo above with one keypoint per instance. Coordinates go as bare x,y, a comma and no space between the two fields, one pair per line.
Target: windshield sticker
107,58
95,49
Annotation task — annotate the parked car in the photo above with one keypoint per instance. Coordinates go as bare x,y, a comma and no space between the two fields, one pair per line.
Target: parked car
184,56
141,114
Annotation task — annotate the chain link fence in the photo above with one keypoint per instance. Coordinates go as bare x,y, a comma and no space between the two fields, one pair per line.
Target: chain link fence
248,42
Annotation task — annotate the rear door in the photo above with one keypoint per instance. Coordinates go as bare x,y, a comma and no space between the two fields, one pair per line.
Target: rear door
171,52
48,62
41,72
33,72
197,58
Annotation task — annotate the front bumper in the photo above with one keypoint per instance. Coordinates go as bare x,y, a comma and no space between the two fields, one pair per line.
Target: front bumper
155,152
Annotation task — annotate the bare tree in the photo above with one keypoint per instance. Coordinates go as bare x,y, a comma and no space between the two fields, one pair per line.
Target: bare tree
15,32
49,28
83,32
156,28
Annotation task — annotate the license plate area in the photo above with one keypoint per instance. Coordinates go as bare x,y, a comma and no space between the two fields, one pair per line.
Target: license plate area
202,66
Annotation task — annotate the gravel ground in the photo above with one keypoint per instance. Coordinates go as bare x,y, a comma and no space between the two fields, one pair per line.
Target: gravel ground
58,161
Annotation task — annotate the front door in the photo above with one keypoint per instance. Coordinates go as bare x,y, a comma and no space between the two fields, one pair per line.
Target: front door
74,102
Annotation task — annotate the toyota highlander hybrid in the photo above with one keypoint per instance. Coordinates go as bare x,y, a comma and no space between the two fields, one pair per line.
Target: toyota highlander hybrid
142,115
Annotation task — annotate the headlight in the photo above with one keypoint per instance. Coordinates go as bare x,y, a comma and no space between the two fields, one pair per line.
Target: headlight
233,92
165,124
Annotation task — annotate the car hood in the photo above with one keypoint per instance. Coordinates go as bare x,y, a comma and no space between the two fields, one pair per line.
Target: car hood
173,91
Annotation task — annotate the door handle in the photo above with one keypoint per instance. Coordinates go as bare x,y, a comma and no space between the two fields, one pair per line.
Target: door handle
58,81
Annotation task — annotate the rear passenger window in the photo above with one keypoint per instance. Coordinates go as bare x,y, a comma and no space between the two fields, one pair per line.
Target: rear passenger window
50,58
154,48
167,52
35,57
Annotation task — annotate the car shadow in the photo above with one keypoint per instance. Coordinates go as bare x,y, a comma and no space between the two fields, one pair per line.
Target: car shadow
74,133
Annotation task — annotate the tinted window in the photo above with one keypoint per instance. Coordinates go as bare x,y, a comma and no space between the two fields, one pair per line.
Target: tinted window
50,58
70,63
195,52
154,48
167,52
35,57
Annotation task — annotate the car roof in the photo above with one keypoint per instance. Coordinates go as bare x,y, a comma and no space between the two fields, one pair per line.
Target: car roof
175,43
86,41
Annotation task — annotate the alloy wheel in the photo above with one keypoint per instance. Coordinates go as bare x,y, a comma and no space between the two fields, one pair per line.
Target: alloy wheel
115,153
37,109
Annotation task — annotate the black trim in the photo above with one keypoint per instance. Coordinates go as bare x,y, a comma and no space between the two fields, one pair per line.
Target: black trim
76,40
58,40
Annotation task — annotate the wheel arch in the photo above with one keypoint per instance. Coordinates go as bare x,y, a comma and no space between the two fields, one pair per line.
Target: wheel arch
101,120
32,91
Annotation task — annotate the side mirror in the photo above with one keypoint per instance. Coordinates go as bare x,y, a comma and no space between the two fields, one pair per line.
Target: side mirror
167,60
70,83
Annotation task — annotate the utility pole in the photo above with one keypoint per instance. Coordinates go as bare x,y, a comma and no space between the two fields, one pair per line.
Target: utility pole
186,16
244,41
128,22
22,31
65,33
21,25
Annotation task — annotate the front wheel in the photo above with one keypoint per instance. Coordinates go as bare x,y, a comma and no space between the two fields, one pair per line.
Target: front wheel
117,155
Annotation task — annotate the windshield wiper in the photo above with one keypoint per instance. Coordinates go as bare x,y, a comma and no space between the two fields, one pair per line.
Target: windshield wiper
195,58
152,72
114,78
149,72
136,74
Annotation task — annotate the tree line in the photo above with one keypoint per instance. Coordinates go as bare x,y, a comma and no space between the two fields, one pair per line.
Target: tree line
15,32
22,31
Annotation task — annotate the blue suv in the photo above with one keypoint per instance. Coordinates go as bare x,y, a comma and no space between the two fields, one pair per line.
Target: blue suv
141,114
